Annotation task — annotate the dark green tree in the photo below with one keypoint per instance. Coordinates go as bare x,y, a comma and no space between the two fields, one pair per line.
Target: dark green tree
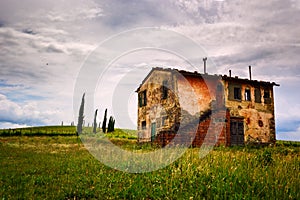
113,127
111,124
80,116
95,121
104,121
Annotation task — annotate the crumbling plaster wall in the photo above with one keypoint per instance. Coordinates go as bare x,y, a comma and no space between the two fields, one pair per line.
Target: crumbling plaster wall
158,108
196,93
259,124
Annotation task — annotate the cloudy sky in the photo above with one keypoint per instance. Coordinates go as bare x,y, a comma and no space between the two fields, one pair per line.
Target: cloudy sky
44,45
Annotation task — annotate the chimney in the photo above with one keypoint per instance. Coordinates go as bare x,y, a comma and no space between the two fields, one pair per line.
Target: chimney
250,76
204,60
230,73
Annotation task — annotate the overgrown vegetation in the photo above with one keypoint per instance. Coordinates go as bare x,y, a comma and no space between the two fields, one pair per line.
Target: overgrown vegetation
61,168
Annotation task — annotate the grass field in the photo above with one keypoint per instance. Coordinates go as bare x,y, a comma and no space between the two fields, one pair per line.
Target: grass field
59,167
40,131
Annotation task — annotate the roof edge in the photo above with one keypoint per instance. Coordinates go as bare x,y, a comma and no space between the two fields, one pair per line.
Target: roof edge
195,73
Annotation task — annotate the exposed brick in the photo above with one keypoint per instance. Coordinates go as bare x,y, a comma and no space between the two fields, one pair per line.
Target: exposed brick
210,100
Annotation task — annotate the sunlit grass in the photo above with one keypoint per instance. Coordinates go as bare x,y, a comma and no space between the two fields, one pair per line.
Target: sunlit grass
61,168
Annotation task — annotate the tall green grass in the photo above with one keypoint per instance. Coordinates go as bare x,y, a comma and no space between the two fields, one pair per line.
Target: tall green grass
61,168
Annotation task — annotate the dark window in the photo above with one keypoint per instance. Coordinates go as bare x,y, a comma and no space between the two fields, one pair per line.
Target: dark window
267,97
143,98
163,120
165,89
257,94
247,95
266,94
143,125
234,91
237,93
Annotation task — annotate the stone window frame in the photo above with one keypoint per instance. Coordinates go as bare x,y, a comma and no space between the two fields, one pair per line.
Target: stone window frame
163,120
144,125
257,95
143,98
164,89
247,94
267,96
237,93
233,95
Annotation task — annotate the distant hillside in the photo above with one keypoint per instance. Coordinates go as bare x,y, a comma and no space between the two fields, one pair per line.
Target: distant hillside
64,131
39,131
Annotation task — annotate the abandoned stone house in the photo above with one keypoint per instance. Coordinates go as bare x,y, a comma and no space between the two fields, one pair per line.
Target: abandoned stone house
197,108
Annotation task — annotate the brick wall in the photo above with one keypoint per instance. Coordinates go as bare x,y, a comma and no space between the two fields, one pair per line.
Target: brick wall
213,130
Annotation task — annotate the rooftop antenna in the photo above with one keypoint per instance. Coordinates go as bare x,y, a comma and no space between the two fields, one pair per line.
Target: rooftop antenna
250,75
204,60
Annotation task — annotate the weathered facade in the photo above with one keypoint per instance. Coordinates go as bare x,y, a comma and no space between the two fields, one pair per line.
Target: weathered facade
198,108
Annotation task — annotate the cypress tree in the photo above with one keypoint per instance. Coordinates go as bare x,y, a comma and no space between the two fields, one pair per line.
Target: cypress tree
80,116
104,121
111,124
95,121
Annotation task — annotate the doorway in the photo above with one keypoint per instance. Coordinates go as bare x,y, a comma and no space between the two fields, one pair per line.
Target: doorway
236,131
153,131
